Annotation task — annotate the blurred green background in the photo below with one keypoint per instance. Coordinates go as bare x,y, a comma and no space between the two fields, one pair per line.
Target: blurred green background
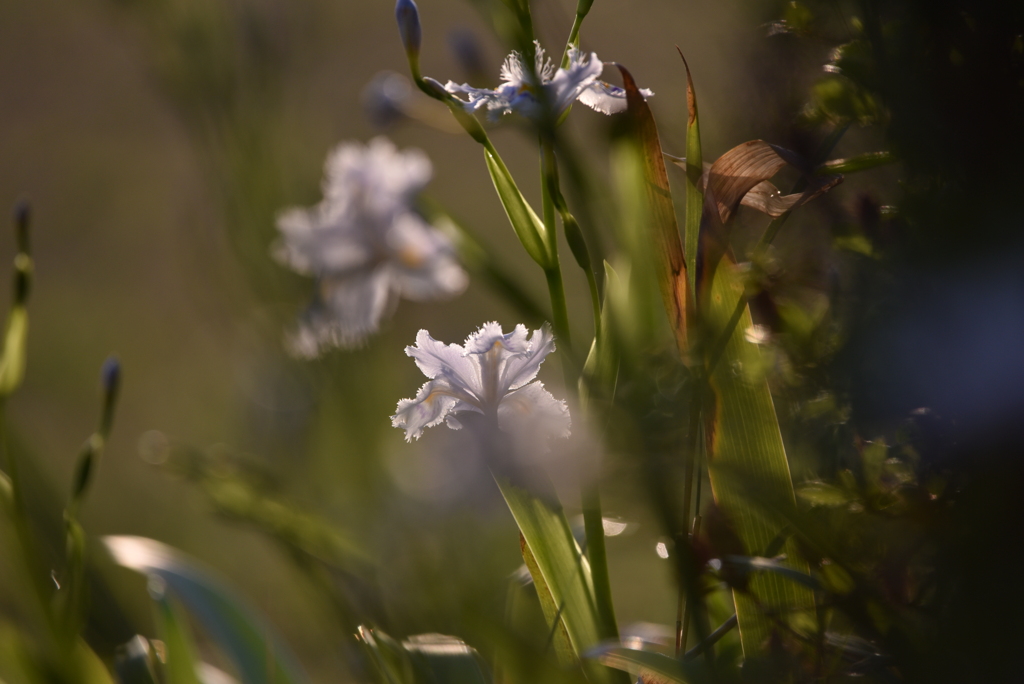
157,140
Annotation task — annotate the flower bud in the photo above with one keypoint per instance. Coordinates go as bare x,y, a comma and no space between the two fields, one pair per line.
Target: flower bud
578,245
22,219
434,88
408,17
385,98
111,378
111,375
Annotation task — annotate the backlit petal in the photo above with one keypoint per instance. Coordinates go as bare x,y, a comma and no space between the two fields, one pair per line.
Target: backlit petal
532,410
430,406
521,369
346,311
438,360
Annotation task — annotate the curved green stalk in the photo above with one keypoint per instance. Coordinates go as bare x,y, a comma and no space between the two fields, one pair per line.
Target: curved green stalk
593,519
553,272
582,9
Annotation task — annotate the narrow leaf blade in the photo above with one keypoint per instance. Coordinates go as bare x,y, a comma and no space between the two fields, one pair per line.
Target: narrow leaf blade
181,661
527,225
647,665
744,442
446,659
561,569
694,167
12,364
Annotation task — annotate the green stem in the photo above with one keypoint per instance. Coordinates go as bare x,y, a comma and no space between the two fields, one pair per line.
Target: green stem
593,519
559,310
582,9
574,38
593,523
560,313
595,302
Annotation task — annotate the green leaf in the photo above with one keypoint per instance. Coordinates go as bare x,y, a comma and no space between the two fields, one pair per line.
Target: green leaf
601,366
136,663
527,225
823,494
180,659
861,162
390,660
88,666
422,659
12,364
551,608
559,570
666,246
445,659
245,638
745,444
752,563
649,666
694,183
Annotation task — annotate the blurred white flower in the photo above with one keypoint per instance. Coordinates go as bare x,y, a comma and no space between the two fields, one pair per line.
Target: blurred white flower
492,374
558,89
365,245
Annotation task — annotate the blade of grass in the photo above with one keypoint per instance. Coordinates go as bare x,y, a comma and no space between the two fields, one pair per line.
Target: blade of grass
245,638
448,659
561,570
694,184
552,610
390,661
743,436
647,665
862,162
180,653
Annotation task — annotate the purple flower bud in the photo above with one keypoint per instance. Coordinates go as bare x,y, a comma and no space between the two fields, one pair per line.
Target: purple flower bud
408,17
111,375
384,99
434,85
22,219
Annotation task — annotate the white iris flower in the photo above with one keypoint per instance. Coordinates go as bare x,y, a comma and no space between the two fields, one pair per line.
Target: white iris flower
365,245
519,92
492,374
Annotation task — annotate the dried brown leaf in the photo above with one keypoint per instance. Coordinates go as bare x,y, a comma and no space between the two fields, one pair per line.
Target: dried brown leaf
664,231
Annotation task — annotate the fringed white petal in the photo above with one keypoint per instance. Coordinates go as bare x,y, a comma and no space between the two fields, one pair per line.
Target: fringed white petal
520,370
607,98
567,84
430,406
438,360
491,334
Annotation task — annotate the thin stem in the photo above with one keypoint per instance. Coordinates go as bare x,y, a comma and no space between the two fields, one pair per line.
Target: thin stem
683,609
559,310
593,519
712,639
595,301
594,525
687,606
560,313
574,37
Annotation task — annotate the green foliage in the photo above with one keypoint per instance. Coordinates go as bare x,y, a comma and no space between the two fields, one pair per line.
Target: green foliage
258,655
858,526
